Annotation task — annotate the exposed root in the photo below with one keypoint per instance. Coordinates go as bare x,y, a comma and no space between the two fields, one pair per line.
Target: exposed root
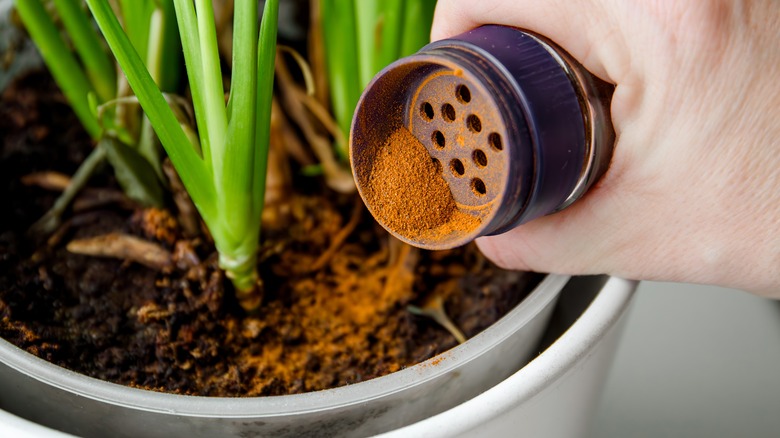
278,185
402,261
337,177
339,238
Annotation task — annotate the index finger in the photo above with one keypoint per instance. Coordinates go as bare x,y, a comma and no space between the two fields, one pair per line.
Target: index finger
587,29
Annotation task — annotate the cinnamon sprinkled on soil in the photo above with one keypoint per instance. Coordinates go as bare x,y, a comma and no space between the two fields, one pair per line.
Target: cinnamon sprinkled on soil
181,330
408,193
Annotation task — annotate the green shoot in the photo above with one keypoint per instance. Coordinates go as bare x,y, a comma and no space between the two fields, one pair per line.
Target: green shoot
98,65
226,176
88,79
362,37
417,20
62,64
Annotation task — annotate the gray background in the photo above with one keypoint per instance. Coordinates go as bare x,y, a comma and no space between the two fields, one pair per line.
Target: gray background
694,361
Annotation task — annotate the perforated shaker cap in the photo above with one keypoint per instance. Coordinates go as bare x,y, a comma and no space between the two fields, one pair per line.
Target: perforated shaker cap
496,110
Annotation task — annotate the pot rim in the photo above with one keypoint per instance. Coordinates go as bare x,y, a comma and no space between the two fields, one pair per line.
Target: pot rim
283,405
537,379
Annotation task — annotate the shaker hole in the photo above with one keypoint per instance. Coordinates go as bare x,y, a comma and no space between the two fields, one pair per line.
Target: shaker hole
474,123
463,94
457,167
426,111
448,112
479,158
494,140
436,164
438,139
478,186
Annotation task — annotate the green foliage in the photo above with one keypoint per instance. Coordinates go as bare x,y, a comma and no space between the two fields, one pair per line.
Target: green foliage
362,37
87,76
136,176
223,166
62,63
225,175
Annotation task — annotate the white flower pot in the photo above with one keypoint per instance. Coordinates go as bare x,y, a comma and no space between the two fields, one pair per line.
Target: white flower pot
553,395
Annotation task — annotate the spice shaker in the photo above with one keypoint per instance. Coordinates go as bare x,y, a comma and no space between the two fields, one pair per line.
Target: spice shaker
512,125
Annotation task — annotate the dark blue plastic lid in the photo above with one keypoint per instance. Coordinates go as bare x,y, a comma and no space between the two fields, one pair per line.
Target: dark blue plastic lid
547,104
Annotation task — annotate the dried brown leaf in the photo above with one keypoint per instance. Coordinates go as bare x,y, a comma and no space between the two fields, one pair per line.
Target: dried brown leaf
48,180
123,247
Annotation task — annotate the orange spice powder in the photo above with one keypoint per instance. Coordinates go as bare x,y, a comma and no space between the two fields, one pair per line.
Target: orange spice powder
408,194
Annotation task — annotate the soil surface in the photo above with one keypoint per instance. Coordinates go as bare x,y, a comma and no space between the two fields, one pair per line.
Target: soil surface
337,286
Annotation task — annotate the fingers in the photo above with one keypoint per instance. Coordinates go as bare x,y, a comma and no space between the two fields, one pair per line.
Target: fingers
587,29
602,232
576,240
558,18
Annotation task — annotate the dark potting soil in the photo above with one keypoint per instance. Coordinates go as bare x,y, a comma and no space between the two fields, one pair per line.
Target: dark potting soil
333,313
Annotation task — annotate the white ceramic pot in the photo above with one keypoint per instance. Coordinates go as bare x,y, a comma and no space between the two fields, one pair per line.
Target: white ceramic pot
53,396
554,395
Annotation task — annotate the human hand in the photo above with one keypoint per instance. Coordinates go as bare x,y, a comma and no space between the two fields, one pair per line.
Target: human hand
693,191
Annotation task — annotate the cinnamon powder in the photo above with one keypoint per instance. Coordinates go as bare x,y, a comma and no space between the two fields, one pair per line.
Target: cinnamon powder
408,193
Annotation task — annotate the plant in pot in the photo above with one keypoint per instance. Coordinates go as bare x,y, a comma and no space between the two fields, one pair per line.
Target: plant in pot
310,324
98,96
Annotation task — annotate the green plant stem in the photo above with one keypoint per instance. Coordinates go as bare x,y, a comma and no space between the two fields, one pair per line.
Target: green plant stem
229,192
418,16
196,178
61,63
235,188
168,50
340,40
388,33
240,266
147,141
51,220
86,41
244,180
366,20
213,92
188,31
266,57
135,17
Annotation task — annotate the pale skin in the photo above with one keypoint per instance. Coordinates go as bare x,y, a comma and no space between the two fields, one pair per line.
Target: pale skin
693,191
